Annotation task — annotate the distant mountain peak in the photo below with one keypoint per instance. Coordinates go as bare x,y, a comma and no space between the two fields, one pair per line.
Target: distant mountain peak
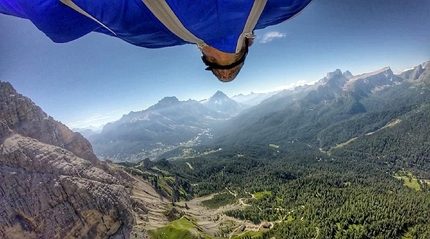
219,94
218,98
220,102
413,73
385,71
335,78
168,100
331,75
348,74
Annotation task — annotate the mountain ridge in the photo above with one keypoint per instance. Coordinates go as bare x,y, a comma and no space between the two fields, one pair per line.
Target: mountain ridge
337,89
21,115
160,127
321,104
52,185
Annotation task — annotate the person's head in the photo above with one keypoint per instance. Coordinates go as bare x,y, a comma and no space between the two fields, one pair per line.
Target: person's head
225,66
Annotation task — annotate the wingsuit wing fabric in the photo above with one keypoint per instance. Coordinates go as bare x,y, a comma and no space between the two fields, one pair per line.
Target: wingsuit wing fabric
218,22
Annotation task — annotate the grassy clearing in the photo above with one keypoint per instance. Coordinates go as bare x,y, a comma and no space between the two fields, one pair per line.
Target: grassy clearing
183,228
211,151
190,166
344,143
389,125
356,227
412,233
259,195
409,180
412,183
219,200
347,184
328,152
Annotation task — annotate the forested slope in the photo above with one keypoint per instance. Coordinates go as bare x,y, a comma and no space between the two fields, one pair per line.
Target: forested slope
344,175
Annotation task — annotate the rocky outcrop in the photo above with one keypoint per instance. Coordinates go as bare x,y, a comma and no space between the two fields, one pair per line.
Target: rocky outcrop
412,74
373,81
328,87
21,115
51,183
337,83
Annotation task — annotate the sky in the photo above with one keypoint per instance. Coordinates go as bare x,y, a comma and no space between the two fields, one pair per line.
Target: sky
97,79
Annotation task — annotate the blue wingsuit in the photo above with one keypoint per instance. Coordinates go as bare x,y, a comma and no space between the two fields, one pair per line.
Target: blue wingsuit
219,23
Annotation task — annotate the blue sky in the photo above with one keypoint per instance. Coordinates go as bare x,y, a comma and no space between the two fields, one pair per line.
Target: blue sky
97,79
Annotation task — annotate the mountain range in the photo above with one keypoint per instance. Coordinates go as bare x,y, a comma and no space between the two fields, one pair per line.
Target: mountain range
316,115
304,114
165,126
161,127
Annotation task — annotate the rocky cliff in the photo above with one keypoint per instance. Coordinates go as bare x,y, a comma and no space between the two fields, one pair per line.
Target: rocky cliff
21,115
51,183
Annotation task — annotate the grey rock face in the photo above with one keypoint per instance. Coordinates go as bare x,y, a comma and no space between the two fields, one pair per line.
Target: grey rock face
21,115
348,74
336,83
328,87
413,74
51,183
373,81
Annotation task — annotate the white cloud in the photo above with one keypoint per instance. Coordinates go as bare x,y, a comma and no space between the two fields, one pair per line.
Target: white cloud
270,36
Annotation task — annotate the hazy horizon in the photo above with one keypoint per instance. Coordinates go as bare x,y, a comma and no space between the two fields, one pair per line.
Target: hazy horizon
99,126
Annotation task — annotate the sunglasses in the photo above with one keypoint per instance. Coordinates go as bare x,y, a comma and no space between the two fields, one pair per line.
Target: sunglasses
211,65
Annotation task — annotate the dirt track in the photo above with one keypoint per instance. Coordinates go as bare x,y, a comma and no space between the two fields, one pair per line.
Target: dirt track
210,219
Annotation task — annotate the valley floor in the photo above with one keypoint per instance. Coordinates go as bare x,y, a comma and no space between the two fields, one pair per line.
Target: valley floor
212,222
